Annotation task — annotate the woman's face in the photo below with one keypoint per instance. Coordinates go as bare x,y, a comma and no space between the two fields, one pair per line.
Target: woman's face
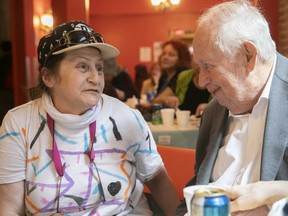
80,82
169,58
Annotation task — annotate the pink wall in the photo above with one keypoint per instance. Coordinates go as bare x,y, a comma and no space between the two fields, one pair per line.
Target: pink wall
127,24
271,12
129,33
131,24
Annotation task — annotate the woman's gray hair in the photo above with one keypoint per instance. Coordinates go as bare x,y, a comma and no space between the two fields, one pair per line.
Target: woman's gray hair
235,22
52,65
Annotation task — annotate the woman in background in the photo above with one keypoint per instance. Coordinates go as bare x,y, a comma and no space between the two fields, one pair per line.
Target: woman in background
187,95
174,59
150,85
141,74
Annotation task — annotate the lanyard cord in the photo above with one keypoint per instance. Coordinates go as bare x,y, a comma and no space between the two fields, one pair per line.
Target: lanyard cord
55,152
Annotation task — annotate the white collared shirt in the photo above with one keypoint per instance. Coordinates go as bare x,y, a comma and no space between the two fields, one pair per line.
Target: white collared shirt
239,160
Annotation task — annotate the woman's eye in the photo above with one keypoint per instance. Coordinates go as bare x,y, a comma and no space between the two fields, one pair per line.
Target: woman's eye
83,67
99,69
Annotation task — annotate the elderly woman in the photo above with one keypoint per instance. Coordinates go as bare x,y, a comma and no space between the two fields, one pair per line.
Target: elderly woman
73,150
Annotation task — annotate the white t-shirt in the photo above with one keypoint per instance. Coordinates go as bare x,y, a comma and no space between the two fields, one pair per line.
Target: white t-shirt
125,155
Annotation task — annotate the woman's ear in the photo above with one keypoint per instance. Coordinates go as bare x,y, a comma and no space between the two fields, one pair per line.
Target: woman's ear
251,55
47,77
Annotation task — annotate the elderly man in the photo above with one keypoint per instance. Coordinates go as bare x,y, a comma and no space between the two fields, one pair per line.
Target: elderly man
244,131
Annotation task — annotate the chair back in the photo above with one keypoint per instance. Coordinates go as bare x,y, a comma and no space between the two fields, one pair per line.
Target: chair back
179,163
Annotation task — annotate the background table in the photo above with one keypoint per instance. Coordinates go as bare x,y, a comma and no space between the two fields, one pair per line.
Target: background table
182,137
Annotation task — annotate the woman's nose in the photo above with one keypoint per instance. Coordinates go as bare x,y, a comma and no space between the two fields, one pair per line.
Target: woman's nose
93,76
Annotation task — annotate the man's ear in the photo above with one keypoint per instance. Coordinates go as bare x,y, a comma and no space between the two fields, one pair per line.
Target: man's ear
251,55
47,78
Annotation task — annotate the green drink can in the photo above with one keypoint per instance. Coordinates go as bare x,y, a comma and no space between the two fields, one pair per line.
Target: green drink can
156,115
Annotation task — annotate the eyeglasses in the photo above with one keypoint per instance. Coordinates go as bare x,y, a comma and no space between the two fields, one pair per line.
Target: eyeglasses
60,169
76,37
79,37
73,209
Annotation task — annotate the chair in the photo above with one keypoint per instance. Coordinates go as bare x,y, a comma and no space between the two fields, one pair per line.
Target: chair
179,163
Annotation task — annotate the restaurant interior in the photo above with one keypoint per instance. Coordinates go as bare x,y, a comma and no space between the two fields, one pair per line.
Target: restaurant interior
136,28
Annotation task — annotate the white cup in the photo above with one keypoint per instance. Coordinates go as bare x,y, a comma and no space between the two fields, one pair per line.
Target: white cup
183,117
189,193
167,115
132,102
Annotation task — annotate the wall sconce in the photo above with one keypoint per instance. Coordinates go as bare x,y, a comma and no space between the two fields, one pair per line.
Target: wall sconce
165,4
47,20
44,22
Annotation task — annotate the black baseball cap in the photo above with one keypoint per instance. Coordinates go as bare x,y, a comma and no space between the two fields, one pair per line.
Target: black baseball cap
70,36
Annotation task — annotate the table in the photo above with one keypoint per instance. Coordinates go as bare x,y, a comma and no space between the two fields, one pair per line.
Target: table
182,137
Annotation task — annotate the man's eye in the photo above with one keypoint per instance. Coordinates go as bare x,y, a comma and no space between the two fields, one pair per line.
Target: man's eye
206,66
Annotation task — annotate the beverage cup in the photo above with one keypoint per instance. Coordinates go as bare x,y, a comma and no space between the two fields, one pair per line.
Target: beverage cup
182,117
167,115
189,193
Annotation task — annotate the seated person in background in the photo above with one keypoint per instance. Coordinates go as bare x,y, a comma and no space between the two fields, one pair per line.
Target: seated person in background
118,82
174,59
243,136
141,74
188,95
150,85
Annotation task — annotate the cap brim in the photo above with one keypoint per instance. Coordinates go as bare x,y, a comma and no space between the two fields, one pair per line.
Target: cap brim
107,51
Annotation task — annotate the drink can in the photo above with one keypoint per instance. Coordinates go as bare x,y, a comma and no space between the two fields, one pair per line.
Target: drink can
156,115
210,202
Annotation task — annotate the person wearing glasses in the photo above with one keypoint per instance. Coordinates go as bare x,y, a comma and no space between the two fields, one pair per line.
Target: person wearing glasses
72,150
243,137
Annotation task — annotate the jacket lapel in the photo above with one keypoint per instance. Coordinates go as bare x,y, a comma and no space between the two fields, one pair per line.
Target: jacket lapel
215,141
276,136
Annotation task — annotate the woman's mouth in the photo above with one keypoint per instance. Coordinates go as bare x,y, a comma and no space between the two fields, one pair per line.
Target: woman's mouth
92,91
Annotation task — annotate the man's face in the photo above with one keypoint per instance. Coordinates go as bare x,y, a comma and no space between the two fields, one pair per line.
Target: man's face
225,77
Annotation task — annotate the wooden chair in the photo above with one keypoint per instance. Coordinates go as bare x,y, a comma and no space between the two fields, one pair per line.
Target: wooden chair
179,163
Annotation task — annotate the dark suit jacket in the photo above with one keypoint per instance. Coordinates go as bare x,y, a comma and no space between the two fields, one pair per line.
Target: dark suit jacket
274,164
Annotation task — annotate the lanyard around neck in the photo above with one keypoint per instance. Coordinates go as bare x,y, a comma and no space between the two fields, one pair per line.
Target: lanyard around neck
55,152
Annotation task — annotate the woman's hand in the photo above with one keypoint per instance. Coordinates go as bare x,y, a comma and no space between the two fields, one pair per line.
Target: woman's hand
172,101
200,109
